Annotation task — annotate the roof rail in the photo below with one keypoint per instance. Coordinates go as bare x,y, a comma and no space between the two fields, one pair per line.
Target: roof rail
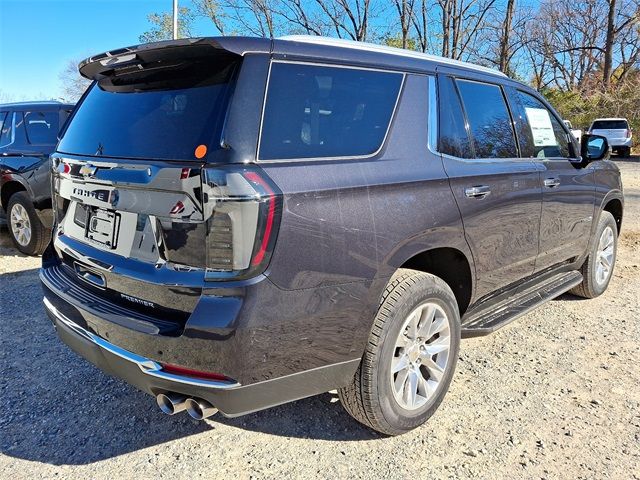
372,47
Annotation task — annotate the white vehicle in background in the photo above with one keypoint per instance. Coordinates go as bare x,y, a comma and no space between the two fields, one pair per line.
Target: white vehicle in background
576,132
617,131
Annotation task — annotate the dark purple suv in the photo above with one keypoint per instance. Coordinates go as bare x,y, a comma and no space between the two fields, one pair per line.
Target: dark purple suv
245,222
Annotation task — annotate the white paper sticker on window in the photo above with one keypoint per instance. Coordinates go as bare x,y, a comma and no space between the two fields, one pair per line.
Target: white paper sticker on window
541,127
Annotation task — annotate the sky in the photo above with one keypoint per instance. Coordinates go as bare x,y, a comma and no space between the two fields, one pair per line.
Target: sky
39,37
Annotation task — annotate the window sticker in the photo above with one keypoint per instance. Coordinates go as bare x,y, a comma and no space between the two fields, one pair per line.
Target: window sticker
541,127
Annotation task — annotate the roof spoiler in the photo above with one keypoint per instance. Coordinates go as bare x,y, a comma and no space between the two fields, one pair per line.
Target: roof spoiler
138,56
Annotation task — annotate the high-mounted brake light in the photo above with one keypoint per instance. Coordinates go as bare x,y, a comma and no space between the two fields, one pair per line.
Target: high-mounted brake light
242,207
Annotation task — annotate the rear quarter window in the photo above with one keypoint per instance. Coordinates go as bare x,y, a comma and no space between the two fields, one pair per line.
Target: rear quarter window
316,111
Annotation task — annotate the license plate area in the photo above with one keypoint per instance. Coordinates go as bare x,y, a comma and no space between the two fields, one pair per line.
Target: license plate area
102,226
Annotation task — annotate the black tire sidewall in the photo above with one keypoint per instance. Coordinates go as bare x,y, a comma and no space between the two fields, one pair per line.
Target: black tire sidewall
36,226
398,418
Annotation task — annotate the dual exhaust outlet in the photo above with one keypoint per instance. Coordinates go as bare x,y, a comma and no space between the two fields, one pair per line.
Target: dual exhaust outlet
172,403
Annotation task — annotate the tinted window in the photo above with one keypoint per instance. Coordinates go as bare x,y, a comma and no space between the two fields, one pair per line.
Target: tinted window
5,134
489,120
19,135
453,138
548,138
610,124
42,127
315,111
165,113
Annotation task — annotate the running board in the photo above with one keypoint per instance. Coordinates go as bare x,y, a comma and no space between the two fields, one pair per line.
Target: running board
489,320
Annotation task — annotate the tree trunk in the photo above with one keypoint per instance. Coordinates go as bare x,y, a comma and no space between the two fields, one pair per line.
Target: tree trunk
608,46
504,40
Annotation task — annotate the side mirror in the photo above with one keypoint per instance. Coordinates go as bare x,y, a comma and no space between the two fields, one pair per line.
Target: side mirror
594,147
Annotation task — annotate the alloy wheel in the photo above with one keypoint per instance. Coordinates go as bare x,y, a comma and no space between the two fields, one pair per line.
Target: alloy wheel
20,225
421,356
605,255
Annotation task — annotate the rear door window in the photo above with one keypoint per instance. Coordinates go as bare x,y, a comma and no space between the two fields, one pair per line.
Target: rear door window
610,125
548,137
41,127
489,120
453,136
314,111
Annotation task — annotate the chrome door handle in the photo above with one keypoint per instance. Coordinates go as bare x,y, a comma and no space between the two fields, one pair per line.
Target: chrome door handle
551,182
478,191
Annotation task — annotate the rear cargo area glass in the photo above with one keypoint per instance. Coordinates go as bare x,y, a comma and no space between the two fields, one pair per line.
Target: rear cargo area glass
164,113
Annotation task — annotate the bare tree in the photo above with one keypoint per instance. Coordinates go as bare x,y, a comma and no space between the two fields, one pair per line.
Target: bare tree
73,84
162,26
405,15
347,18
462,22
503,57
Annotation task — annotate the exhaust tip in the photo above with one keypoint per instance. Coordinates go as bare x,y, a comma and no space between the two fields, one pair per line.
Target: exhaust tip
200,409
171,403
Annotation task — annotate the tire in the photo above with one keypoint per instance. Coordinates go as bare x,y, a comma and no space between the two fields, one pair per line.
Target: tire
26,231
373,398
593,284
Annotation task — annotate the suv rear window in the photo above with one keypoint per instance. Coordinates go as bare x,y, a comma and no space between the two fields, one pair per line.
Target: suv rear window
610,125
316,111
161,114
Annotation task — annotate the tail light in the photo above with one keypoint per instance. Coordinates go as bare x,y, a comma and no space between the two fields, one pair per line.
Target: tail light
242,208
628,133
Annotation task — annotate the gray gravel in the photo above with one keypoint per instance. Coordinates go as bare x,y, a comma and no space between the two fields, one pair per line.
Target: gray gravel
555,394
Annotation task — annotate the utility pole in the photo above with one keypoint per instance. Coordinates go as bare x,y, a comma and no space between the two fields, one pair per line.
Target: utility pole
175,19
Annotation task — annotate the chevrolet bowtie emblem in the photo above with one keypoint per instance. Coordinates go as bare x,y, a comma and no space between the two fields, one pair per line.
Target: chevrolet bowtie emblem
88,170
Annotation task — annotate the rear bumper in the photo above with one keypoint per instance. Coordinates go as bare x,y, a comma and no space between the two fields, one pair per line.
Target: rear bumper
620,142
231,398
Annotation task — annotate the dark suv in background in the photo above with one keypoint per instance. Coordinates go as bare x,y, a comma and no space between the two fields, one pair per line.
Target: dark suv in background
28,134
243,222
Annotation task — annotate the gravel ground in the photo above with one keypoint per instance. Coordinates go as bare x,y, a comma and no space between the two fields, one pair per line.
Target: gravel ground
555,394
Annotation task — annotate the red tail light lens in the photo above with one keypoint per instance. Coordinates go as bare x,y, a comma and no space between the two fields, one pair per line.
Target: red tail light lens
242,208
628,133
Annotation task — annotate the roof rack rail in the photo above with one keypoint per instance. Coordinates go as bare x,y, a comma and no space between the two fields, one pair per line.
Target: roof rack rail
372,47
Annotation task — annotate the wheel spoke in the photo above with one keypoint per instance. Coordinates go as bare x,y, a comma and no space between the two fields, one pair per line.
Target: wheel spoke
401,378
412,327
411,388
435,371
441,344
399,363
426,319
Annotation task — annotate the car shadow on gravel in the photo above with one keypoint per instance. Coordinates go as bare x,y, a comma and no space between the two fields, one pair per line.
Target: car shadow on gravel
60,409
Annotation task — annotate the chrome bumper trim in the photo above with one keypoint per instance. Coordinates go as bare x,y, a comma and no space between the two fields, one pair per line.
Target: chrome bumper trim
148,367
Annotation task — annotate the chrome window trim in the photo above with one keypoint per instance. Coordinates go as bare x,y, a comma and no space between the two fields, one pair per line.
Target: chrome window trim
147,366
319,64
432,124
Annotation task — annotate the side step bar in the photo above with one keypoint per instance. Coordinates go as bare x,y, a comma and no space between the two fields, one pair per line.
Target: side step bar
489,320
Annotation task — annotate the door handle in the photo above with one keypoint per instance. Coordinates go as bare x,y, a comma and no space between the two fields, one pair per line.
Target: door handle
478,191
551,182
